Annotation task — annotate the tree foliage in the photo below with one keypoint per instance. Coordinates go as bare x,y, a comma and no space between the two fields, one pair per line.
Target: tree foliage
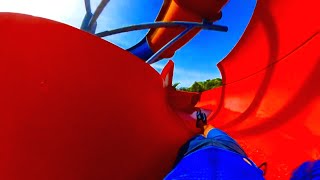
201,85
175,85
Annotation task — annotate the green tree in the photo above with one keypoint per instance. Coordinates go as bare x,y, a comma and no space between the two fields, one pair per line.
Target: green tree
202,85
197,87
175,85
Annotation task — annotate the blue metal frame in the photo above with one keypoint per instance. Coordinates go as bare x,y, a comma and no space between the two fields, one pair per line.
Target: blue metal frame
156,55
88,6
98,11
188,25
89,24
172,24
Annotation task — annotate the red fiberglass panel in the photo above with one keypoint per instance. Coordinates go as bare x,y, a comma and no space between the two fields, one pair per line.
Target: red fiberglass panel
76,107
270,101
276,29
275,113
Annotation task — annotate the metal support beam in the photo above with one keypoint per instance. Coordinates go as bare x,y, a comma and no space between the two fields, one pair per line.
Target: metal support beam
155,57
97,13
89,22
164,25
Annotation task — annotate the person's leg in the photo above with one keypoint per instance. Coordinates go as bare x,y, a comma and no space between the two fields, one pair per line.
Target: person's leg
212,132
207,129
211,135
223,138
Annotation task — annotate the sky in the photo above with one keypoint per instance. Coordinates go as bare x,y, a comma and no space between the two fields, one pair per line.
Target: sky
196,61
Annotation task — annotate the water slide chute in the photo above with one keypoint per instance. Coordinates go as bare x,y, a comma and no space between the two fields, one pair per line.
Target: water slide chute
270,100
68,112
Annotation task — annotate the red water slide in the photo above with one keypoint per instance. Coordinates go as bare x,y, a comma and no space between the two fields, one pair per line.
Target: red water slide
270,100
68,111
74,106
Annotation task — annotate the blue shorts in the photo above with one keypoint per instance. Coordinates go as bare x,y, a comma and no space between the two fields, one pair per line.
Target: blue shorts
215,138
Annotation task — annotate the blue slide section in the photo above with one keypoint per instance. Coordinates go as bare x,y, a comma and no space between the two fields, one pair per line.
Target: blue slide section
142,50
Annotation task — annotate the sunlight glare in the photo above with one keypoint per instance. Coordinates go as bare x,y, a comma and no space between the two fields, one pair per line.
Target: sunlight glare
52,9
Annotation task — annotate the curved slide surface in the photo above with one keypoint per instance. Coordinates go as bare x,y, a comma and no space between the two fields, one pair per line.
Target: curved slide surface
270,100
67,112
